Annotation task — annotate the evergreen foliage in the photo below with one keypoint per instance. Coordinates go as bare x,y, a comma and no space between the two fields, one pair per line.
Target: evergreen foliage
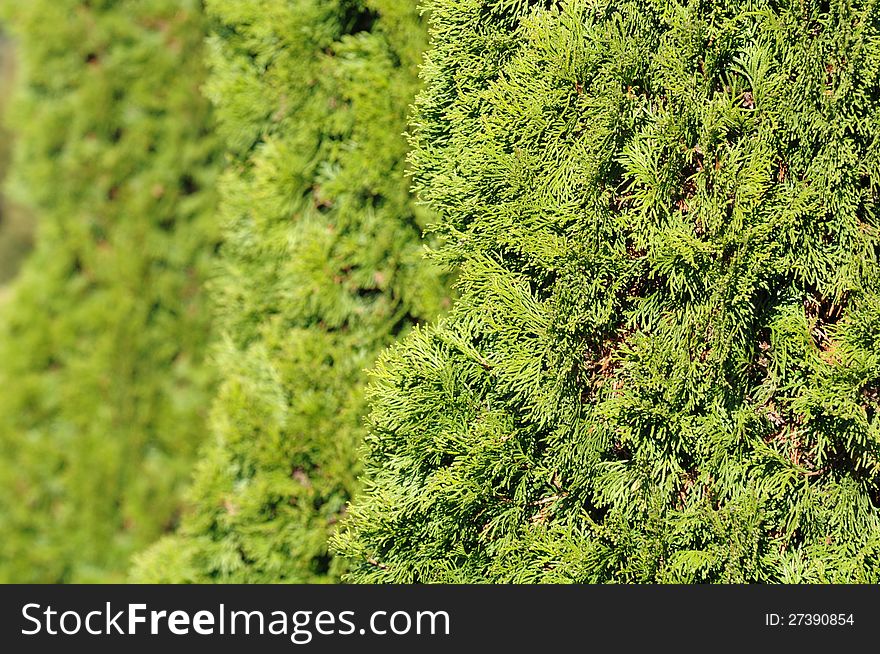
322,268
15,224
664,365
102,382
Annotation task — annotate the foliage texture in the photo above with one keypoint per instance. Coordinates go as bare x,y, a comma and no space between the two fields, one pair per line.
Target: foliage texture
102,382
322,267
665,361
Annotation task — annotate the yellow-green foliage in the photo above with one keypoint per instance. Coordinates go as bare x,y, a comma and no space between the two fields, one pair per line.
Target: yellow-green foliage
665,362
322,268
103,387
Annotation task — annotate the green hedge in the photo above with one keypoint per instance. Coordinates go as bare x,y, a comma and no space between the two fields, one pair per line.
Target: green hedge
322,268
665,362
103,339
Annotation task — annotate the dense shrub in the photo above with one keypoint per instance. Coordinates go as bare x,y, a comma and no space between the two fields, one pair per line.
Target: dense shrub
322,268
102,382
665,362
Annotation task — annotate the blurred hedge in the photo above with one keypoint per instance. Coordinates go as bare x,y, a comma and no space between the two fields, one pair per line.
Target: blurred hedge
15,223
322,268
102,342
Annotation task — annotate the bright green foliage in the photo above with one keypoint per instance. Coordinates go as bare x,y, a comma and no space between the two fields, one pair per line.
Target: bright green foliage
102,382
323,267
665,363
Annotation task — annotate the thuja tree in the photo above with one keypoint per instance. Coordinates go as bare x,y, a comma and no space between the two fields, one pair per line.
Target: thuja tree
664,366
102,384
322,268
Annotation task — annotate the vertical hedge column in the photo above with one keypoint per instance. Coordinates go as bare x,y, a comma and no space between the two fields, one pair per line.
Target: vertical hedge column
322,268
665,362
102,343
15,224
